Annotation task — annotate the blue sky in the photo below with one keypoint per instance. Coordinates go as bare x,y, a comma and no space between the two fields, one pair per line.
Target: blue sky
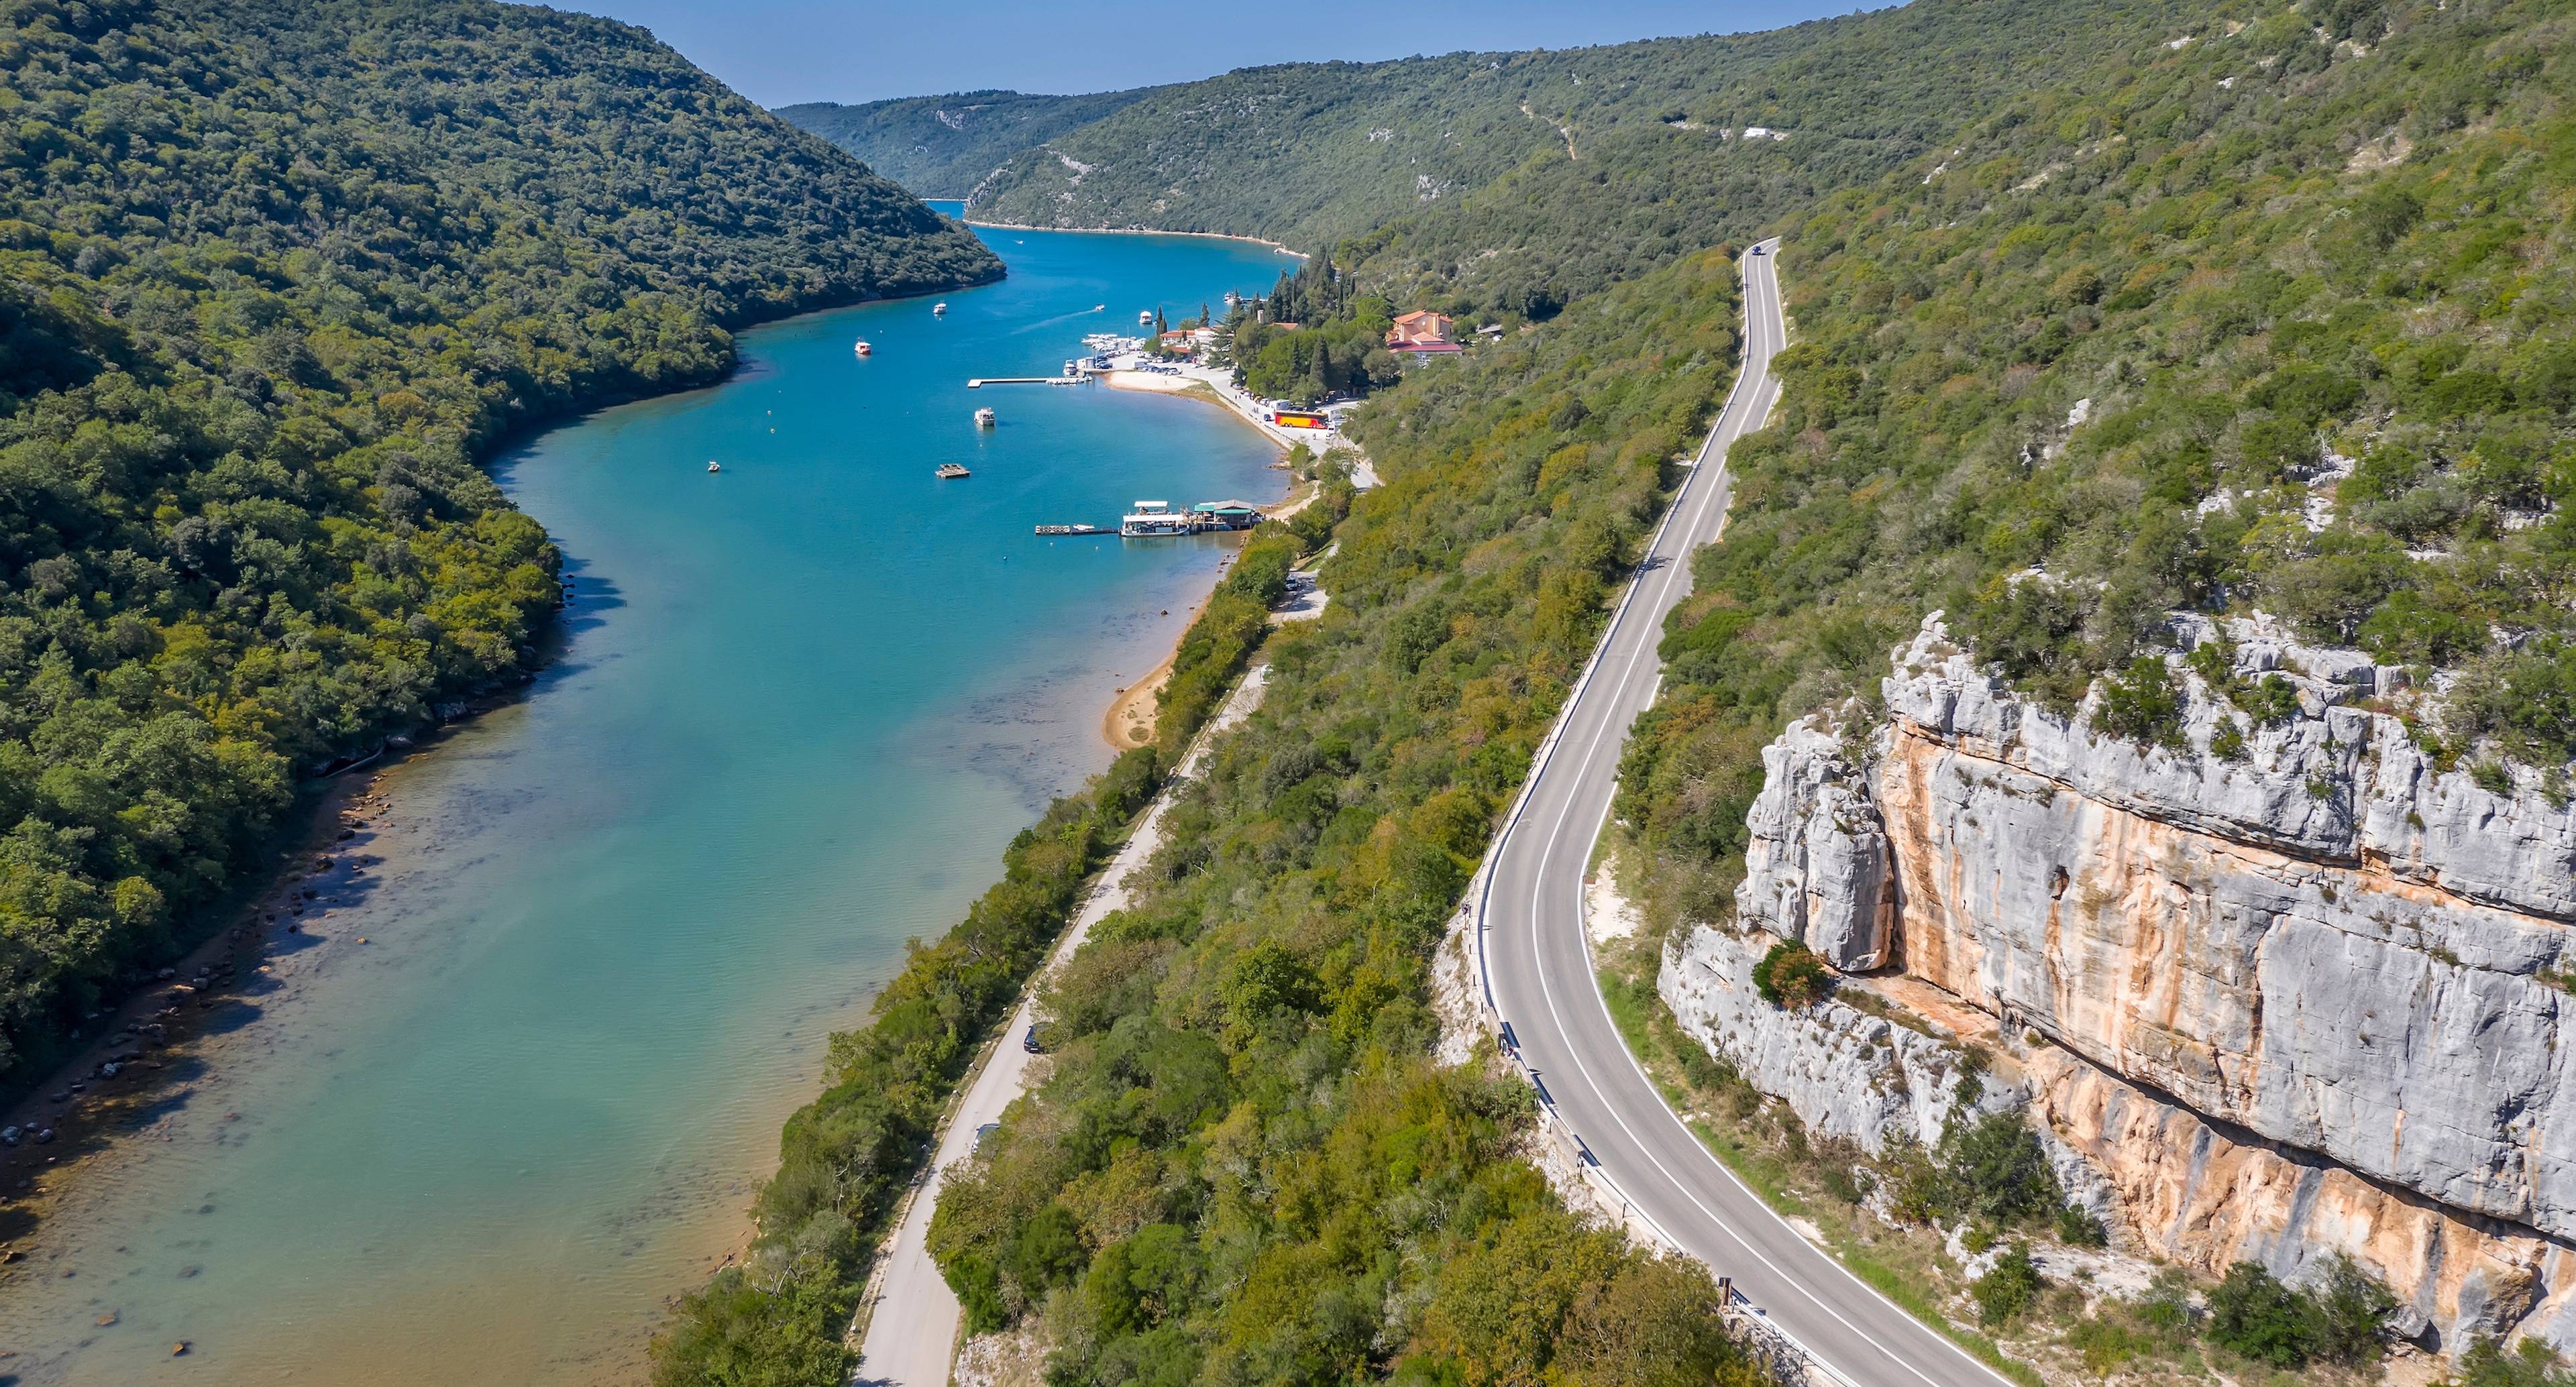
781,51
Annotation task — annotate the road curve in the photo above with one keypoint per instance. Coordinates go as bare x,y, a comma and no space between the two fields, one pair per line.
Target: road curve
1539,977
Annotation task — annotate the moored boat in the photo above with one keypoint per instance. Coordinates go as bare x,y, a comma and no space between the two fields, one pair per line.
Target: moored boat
939,310
864,349
951,471
1153,518
714,466
984,418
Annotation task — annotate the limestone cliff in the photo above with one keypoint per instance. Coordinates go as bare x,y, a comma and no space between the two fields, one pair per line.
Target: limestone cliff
2285,988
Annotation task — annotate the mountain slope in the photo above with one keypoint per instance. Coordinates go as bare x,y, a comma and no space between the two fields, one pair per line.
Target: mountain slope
944,146
2254,243
1313,153
272,276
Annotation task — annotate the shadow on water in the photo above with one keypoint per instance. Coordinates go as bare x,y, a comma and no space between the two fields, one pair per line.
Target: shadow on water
588,599
162,1040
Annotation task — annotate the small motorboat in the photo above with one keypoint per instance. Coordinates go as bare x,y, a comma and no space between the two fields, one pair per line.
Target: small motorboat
715,466
950,471
939,310
1100,308
1144,317
864,349
984,418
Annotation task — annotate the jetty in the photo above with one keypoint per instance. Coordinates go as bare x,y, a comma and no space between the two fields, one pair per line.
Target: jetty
979,382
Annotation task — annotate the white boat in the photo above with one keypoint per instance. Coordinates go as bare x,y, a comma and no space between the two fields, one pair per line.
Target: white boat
1151,518
984,418
939,310
863,348
1099,308
950,471
715,466
1145,317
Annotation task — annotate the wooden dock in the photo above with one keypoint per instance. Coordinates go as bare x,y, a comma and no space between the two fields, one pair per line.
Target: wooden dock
980,382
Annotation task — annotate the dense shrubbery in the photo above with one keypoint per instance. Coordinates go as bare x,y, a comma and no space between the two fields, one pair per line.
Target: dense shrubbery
1216,646
2529,1363
1244,1163
2342,1320
272,276
1791,975
2235,255
2232,281
845,1157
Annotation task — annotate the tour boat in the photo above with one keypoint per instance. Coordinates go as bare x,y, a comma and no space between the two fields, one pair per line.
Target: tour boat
984,418
864,349
715,466
950,471
1152,518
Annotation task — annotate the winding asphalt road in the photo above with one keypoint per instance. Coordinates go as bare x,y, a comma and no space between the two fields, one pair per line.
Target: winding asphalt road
1539,977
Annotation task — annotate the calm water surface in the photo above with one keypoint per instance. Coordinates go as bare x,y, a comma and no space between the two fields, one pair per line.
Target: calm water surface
804,705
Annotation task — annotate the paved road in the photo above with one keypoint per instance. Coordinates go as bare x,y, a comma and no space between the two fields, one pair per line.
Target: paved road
1539,973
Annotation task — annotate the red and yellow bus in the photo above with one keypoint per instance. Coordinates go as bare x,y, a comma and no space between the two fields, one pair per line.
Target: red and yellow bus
1301,419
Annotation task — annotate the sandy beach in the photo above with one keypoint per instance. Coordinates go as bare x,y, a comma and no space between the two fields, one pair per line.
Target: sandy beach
1209,384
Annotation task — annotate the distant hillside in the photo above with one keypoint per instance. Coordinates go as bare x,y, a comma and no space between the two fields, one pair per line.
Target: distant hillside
943,146
1641,132
272,274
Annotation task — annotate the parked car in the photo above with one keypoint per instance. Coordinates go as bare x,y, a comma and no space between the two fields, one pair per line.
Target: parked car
1031,1043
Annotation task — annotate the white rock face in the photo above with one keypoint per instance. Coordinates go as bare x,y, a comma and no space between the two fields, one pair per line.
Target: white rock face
2326,958
2231,933
1844,1072
1817,868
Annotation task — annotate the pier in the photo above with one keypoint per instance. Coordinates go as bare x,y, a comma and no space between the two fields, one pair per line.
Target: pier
979,382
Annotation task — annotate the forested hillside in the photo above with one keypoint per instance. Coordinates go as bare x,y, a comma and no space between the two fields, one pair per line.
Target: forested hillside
2279,318
943,146
272,277
2106,313
1648,138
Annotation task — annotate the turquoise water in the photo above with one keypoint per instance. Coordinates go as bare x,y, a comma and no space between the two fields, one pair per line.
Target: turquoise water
804,703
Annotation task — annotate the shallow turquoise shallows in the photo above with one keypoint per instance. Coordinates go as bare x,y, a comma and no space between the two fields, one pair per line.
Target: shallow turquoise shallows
805,702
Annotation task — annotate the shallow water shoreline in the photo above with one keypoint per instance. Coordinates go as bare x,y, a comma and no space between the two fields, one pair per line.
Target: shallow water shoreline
614,921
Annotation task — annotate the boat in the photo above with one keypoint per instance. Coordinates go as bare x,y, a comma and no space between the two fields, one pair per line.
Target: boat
1100,308
984,418
1144,317
1073,529
950,471
864,349
715,466
939,310
1152,518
